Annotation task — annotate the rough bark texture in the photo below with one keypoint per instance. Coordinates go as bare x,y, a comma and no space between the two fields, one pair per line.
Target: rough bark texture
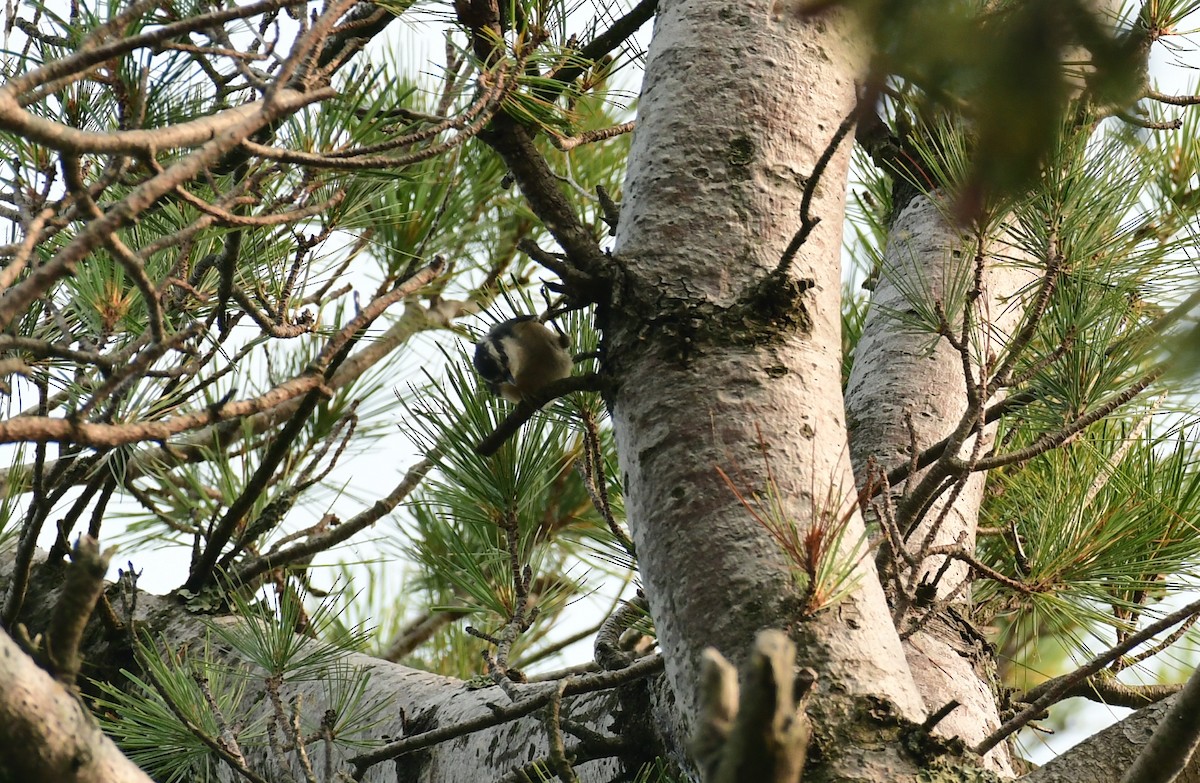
37,713
47,734
901,371
1104,757
418,701
718,364
904,374
738,103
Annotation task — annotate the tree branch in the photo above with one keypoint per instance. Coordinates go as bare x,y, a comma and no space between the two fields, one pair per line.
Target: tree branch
1173,742
83,586
601,45
38,713
496,715
17,299
807,221
531,405
330,356
514,143
1051,691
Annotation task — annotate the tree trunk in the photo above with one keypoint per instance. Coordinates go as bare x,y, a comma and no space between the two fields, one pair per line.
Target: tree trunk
903,377
720,365
47,734
416,702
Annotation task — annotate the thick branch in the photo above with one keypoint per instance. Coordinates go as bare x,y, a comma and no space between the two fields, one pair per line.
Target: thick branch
514,143
64,138
541,696
47,733
84,585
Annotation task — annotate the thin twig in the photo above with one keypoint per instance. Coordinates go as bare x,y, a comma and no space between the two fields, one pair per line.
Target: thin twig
531,405
1053,440
957,552
87,56
34,517
560,762
602,44
1141,122
1174,100
227,218
807,221
1123,662
326,361
494,86
495,715
596,484
336,535
1105,688
529,169
360,162
1051,691
568,143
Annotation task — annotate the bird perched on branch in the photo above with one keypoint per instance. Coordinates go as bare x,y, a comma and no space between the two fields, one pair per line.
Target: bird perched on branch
520,356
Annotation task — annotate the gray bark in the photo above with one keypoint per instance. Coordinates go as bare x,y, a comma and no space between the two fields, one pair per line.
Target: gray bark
427,701
34,706
902,373
1105,756
739,101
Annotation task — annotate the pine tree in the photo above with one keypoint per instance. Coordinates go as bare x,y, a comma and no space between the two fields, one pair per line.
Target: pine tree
860,523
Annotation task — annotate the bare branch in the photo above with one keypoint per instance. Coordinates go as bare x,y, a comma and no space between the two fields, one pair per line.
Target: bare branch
568,143
807,221
336,535
531,405
319,368
92,53
37,712
1174,100
18,298
1052,691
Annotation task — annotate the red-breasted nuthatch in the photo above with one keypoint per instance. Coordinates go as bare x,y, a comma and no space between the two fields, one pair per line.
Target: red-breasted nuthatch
520,356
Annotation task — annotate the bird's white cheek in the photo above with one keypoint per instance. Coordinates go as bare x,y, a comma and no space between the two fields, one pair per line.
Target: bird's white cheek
514,361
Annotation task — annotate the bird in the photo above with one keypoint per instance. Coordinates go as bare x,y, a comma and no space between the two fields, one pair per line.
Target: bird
521,356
